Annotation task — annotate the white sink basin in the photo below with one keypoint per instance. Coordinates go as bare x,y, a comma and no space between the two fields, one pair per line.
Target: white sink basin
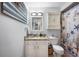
37,38
53,37
58,49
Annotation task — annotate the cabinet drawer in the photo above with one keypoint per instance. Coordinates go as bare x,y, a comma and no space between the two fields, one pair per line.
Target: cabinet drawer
43,42
36,42
31,42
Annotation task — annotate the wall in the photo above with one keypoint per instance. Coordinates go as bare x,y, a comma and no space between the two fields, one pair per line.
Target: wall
11,37
65,5
45,10
51,32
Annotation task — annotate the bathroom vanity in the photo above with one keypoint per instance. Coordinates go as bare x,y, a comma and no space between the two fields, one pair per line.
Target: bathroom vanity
36,47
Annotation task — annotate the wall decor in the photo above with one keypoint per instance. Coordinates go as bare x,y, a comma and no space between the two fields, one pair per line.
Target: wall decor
15,10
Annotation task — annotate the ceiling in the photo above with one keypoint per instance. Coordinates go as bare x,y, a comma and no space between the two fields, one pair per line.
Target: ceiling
45,4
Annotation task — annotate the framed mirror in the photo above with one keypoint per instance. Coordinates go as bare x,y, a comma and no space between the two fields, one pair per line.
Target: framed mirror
36,23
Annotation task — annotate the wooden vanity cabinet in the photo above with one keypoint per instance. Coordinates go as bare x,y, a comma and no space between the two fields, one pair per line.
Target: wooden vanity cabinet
36,48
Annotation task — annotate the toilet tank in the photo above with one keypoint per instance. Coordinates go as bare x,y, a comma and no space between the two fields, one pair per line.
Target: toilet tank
53,40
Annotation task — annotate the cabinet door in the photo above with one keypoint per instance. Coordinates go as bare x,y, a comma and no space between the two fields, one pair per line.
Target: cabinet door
57,22
42,49
53,21
30,49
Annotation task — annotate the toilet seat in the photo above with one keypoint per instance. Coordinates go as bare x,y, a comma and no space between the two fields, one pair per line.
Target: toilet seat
58,49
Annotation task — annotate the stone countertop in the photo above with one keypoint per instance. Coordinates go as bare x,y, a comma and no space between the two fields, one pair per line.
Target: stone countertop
36,39
39,38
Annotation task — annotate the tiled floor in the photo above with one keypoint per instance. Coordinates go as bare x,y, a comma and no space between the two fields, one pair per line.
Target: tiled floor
66,54
50,56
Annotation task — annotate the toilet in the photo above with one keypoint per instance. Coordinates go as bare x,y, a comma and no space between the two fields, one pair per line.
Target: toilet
58,50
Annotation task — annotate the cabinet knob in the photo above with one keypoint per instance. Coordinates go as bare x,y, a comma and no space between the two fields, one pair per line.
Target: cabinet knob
37,46
34,46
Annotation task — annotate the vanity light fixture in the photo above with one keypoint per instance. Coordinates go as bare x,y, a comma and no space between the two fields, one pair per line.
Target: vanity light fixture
33,13
36,14
40,13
